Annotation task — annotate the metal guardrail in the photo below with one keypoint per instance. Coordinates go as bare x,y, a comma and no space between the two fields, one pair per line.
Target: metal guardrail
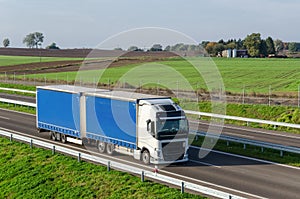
244,141
223,137
243,119
123,167
10,101
213,115
17,90
186,111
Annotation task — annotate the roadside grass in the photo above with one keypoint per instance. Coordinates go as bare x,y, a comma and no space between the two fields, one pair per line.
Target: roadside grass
17,86
15,60
36,173
253,75
20,108
254,151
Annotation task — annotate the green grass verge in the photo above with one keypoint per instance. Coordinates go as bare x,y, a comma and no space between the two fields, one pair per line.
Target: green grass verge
255,152
273,113
20,108
256,75
36,173
18,86
14,60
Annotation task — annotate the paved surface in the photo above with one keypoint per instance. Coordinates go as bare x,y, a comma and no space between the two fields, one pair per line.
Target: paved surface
224,171
276,137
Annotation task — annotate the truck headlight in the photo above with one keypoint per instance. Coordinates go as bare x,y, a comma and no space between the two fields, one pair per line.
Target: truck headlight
158,152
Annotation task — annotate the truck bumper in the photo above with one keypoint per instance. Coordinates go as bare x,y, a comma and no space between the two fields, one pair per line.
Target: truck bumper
161,161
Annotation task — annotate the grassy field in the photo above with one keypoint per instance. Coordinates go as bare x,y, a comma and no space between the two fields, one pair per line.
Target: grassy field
36,173
255,75
14,60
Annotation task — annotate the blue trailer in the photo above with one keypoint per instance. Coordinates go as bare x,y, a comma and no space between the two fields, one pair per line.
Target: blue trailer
148,127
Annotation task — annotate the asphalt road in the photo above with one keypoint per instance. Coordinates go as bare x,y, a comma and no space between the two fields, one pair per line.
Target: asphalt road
234,174
276,137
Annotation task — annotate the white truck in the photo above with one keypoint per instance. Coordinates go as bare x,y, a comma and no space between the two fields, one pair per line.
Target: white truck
151,128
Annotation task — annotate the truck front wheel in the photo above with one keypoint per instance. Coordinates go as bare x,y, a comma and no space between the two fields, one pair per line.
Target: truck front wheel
110,149
53,136
146,156
101,146
63,138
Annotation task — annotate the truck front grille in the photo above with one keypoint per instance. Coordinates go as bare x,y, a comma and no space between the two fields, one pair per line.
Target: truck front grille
173,151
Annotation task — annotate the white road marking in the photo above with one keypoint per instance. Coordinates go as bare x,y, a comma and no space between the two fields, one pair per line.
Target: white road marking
6,118
239,135
248,158
288,135
205,163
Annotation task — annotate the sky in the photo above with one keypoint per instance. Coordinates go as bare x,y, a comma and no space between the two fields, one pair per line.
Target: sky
86,23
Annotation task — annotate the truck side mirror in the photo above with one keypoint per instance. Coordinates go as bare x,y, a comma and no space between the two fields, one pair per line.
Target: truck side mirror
148,122
150,127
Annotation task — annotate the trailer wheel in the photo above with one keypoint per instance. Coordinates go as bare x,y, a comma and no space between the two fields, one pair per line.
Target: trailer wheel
101,146
146,157
110,149
53,136
63,138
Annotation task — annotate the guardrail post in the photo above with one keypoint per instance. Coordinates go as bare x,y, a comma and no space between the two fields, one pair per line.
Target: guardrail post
79,157
196,138
108,166
227,143
143,176
182,187
245,146
11,137
53,150
262,149
281,153
31,143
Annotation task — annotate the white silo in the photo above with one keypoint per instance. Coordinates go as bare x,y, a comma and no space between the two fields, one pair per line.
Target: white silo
234,52
229,53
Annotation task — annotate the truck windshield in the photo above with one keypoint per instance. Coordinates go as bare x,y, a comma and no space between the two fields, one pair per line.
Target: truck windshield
169,129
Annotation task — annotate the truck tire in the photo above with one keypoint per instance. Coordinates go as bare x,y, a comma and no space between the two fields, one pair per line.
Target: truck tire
110,149
53,136
63,138
146,157
101,146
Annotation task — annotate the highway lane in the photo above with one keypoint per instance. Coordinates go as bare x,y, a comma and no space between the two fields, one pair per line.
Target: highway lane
17,97
276,137
271,136
244,174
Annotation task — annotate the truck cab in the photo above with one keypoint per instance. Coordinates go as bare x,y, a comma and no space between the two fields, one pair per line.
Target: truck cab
162,131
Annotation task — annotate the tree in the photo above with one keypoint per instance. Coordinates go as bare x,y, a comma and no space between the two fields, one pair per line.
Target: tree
210,47
34,39
270,45
231,45
292,47
263,50
118,48
52,46
253,44
134,48
278,44
156,47
6,42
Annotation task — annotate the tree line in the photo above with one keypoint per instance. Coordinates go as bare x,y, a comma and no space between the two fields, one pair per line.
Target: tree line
32,40
253,43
